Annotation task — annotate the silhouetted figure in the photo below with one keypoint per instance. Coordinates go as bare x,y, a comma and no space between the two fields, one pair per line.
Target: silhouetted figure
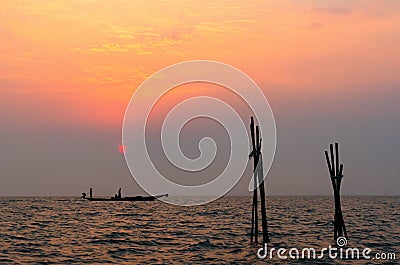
119,193
83,195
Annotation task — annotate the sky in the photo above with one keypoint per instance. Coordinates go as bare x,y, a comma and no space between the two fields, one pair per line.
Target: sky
68,69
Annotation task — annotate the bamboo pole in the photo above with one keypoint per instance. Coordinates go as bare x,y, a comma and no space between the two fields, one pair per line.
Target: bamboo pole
263,208
255,207
335,169
258,178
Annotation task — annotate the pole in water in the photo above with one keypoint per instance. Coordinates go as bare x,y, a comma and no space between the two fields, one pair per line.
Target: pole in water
336,174
258,179
90,193
254,219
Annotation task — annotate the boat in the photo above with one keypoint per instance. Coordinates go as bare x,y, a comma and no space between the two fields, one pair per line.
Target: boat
118,197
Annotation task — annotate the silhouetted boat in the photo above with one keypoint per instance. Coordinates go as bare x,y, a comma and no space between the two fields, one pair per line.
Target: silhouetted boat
135,198
118,197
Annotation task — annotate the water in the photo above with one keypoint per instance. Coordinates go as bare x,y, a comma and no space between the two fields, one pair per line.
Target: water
71,230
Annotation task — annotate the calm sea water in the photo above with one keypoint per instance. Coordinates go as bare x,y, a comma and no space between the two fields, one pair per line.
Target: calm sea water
71,230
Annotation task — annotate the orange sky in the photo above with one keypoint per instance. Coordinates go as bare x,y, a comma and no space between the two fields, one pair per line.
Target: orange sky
95,53
68,69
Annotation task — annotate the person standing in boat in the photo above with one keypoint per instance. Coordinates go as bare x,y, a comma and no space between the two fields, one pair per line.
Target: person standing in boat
117,196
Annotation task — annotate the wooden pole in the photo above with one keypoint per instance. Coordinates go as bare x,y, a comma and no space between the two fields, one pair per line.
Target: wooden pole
337,158
335,169
263,208
258,178
254,207
90,193
252,222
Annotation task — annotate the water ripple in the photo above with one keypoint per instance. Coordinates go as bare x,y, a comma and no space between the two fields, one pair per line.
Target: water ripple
67,230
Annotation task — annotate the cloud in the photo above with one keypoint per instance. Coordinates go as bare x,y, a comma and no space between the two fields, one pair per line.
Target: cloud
224,27
241,21
110,47
140,40
336,11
